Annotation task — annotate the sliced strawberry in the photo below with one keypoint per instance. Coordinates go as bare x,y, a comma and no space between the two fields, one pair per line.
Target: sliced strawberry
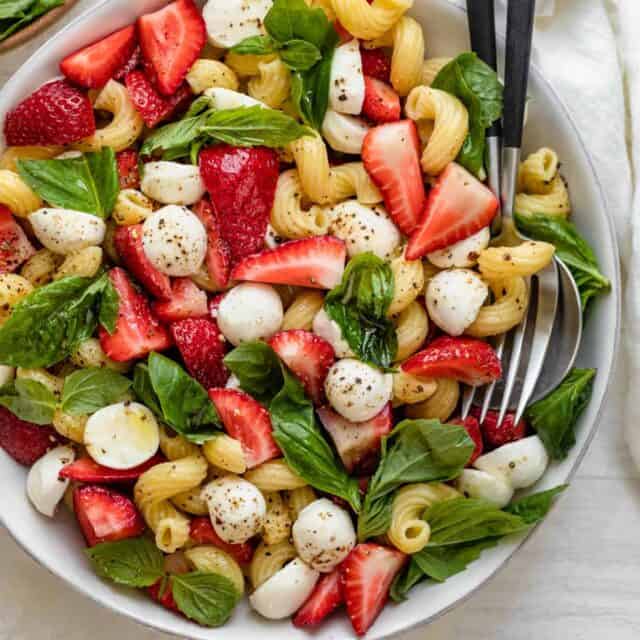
376,63
202,348
152,106
93,66
342,32
496,435
162,592
246,420
134,62
128,171
56,113
138,331
187,301
309,357
311,262
367,574
218,258
391,157
324,599
458,206
24,441
357,443
128,242
381,102
202,532
104,515
15,247
468,360
242,184
171,40
88,470
473,429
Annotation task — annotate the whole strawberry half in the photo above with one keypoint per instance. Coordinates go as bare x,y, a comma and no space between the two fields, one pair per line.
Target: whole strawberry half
15,247
24,441
56,113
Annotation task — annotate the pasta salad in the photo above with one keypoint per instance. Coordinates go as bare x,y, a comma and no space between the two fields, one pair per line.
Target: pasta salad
246,267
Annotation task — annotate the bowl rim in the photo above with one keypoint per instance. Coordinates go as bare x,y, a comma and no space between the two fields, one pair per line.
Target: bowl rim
615,291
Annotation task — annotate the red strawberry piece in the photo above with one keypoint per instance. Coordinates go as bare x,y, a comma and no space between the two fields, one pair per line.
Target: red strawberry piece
391,157
24,441
128,172
93,66
246,420
367,574
381,102
342,32
15,247
152,106
468,360
56,113
138,331
105,515
458,206
357,443
88,470
171,40
496,435
202,348
187,301
162,592
134,61
242,184
309,357
376,63
311,262
128,241
218,259
473,429
324,599
202,532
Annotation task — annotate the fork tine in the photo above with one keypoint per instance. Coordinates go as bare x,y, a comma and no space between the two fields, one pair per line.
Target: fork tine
467,401
488,394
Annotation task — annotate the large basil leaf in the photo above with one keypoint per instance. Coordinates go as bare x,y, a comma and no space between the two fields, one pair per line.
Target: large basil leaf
535,507
87,390
17,14
29,400
257,367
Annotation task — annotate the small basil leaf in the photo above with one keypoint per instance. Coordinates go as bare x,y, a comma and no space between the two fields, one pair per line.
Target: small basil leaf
18,19
293,19
175,136
256,46
299,55
87,390
535,507
29,400
408,578
143,389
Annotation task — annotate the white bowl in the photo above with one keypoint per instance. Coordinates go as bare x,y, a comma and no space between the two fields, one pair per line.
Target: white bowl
57,544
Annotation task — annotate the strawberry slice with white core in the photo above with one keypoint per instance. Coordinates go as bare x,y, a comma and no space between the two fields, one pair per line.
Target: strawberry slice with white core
316,262
458,206
187,301
326,597
15,247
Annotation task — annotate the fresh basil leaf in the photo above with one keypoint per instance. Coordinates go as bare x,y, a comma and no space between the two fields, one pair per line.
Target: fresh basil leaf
408,578
29,400
175,136
134,562
10,25
256,46
109,306
571,248
299,55
310,91
535,507
294,20
144,390
554,417
207,598
359,305
14,8
87,390
257,367
415,451
88,183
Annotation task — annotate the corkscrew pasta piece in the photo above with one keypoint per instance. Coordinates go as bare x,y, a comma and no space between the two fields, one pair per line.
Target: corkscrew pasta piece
408,282
17,195
191,501
274,475
408,389
277,523
176,446
303,310
555,202
245,66
499,263
40,267
210,559
272,85
131,207
268,560
407,60
68,426
13,288
84,263
537,171
225,452
440,405
298,499
89,353
325,5
368,21
10,156
171,528
206,74
412,327
431,68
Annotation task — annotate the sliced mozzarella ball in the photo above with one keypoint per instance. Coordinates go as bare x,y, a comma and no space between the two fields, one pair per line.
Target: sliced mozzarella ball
454,298
172,182
174,240
356,390
250,311
237,508
365,229
122,435
286,591
496,489
346,85
323,535
44,488
7,374
230,21
232,382
522,462
329,329
222,99
344,133
462,254
272,239
65,230
69,155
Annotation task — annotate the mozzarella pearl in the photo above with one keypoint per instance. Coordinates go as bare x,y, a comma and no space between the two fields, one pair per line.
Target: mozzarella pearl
222,99
250,311
237,508
344,133
356,390
365,229
174,240
495,489
286,591
462,254
44,488
122,435
65,230
233,382
346,84
454,298
323,535
172,182
272,239
230,21
329,329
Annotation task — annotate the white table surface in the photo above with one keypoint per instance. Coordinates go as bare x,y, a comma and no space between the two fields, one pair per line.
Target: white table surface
578,578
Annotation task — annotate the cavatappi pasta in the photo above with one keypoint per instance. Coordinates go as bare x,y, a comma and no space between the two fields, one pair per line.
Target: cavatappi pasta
89,353
68,426
298,499
412,327
440,405
408,389
431,67
408,282
132,207
275,475
408,55
191,501
268,560
175,446
277,523
224,452
40,267
207,74
302,311
16,195
11,155
84,263
500,263
272,85
368,21
13,288
210,559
